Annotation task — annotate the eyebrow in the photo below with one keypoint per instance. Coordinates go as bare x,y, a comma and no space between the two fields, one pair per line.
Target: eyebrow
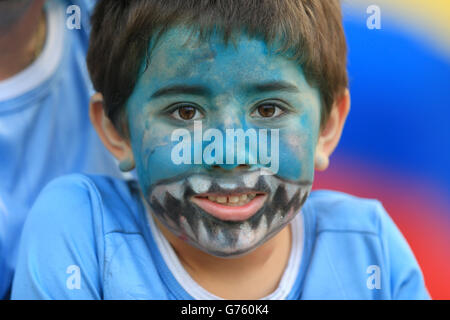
273,86
181,89
204,91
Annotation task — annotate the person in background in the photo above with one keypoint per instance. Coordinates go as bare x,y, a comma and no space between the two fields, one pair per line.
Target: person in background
45,130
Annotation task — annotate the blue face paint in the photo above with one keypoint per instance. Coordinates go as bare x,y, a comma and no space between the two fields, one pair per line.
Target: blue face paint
247,87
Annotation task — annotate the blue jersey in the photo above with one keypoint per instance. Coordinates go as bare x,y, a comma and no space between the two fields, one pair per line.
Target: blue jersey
91,237
45,130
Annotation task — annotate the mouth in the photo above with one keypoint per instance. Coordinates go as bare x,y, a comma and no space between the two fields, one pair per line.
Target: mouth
232,207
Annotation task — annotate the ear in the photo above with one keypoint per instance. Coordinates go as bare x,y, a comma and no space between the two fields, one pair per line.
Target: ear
331,133
113,141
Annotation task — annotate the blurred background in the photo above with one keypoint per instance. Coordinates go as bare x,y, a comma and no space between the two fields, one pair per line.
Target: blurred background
396,143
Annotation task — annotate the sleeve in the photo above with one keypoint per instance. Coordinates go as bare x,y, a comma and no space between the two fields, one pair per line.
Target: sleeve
61,250
406,278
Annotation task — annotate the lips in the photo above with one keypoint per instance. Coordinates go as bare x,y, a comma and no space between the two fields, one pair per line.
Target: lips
236,207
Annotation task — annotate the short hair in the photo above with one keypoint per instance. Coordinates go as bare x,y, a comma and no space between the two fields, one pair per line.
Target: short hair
310,31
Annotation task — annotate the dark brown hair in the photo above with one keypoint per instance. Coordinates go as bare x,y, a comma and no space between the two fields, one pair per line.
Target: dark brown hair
310,30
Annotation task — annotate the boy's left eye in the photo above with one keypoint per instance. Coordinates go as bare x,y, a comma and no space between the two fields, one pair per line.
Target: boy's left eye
267,110
186,113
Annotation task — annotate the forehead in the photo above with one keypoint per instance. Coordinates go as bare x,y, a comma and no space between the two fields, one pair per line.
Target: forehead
178,58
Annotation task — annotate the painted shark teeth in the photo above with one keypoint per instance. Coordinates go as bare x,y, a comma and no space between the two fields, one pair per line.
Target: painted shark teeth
291,190
276,221
224,238
187,228
250,179
245,237
262,226
159,193
202,235
227,185
272,183
199,184
176,190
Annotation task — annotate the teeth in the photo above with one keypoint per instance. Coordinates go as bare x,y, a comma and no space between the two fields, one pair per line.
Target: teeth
222,199
187,228
221,239
276,221
261,231
226,185
237,200
199,184
245,237
176,190
262,227
203,234
159,193
271,183
250,179
290,190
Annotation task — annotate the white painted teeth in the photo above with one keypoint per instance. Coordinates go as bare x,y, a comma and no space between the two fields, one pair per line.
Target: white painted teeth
261,231
199,184
236,200
245,236
187,228
262,226
203,234
276,221
291,189
250,179
159,193
272,183
227,185
176,190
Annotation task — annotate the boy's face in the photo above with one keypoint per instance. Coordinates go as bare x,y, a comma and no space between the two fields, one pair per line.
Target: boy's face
223,197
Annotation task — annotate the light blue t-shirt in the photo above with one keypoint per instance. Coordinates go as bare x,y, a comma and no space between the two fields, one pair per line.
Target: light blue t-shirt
88,237
45,130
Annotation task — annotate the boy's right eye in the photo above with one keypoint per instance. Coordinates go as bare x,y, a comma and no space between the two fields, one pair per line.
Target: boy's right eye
186,113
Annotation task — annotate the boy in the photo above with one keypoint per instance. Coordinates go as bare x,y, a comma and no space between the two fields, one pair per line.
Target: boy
225,108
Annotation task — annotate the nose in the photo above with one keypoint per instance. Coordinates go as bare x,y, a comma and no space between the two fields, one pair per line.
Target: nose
239,142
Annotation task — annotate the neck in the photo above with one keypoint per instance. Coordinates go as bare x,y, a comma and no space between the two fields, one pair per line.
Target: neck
22,41
252,276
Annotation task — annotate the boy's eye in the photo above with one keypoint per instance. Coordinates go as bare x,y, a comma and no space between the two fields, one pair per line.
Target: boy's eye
267,110
186,112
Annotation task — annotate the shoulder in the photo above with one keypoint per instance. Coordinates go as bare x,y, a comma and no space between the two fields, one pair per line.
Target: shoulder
358,251
337,211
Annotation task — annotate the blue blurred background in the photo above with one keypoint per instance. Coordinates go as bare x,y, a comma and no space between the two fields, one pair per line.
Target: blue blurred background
396,143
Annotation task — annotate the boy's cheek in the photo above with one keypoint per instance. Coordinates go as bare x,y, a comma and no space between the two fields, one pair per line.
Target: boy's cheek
296,158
